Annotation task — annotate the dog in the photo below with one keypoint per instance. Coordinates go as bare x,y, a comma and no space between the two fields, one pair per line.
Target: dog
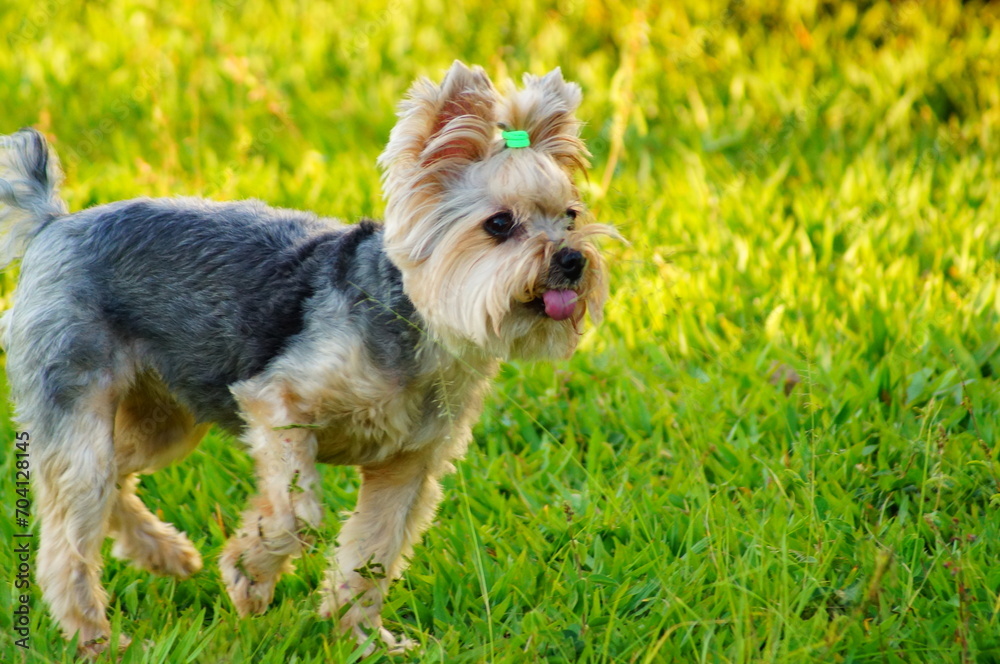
137,324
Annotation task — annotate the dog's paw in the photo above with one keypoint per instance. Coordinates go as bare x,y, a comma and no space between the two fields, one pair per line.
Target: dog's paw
169,554
358,615
334,595
251,595
360,626
184,561
393,645
396,645
92,648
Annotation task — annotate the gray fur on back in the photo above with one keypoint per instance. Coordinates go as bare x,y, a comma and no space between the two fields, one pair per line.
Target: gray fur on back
204,294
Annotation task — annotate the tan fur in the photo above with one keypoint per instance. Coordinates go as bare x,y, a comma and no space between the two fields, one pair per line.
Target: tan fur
349,412
75,492
90,492
325,400
471,293
273,530
152,430
145,540
396,503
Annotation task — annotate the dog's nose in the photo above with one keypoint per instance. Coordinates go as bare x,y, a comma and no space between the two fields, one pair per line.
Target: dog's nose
571,262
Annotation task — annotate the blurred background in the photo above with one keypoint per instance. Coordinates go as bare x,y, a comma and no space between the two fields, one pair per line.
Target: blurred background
780,445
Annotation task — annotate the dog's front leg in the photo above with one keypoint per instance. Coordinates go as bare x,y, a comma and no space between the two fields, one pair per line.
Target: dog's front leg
282,517
396,503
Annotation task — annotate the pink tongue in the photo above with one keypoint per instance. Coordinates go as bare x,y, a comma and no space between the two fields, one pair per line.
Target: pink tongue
559,304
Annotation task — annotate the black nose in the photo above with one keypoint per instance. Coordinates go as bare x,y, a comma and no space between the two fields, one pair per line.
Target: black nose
571,262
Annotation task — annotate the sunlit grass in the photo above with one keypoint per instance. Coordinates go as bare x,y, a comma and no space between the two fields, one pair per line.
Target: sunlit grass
781,444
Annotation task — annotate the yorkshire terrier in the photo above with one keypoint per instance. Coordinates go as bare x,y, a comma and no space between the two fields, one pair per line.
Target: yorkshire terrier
139,323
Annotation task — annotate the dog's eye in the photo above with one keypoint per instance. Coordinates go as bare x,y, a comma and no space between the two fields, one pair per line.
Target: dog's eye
500,225
571,214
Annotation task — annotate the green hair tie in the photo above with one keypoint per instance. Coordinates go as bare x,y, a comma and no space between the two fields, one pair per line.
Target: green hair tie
516,139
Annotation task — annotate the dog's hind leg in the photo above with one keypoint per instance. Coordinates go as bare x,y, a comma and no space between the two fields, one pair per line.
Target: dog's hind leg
148,542
75,488
151,430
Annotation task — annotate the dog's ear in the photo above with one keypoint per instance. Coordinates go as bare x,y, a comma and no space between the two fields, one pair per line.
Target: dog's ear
545,108
441,130
443,127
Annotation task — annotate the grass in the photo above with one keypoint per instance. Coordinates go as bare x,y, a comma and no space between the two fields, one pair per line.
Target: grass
781,445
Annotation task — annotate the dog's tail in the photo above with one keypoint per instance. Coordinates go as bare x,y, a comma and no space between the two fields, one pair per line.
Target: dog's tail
29,191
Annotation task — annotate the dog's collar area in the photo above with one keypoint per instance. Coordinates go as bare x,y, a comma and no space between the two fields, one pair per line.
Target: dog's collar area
516,139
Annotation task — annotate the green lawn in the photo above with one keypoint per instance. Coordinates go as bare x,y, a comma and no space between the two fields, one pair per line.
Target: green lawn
780,446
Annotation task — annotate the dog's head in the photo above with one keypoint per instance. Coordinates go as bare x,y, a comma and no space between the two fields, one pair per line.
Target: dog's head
495,247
